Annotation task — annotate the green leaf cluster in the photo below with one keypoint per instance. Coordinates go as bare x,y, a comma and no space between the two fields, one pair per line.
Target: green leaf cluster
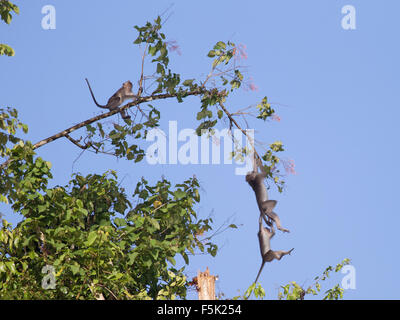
222,52
157,47
271,166
6,9
293,291
102,139
98,243
265,109
6,50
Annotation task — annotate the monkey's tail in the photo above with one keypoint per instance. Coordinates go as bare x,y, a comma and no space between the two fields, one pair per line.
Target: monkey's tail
259,272
94,99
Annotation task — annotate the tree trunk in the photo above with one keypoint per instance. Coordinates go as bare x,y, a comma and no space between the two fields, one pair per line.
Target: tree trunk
206,285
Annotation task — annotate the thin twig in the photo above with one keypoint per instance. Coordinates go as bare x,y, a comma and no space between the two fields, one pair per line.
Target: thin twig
76,142
239,127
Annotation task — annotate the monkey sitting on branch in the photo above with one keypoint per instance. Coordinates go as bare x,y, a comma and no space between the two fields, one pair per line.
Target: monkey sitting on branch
122,94
264,237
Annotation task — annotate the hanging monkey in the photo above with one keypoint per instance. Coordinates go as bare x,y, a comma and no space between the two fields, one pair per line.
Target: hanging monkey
264,237
256,180
122,94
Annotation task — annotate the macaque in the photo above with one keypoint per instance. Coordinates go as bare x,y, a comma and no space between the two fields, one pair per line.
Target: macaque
122,94
256,180
264,237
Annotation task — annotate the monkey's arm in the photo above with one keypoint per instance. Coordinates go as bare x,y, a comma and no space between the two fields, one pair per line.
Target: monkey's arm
264,236
267,219
130,95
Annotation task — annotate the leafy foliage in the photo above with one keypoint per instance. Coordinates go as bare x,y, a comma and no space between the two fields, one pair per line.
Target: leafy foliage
6,8
6,50
265,109
97,243
293,291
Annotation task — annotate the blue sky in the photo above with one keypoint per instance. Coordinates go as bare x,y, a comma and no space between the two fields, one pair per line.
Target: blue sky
335,90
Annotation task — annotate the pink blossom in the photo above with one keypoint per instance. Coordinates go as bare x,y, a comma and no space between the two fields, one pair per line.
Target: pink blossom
173,46
289,166
276,117
240,52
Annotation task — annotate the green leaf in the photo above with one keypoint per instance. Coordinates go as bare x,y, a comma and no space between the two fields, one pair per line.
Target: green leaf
172,260
152,50
220,45
79,203
74,268
155,224
188,83
179,194
91,238
11,266
211,54
160,69
3,199
185,257
120,222
6,50
132,256
42,208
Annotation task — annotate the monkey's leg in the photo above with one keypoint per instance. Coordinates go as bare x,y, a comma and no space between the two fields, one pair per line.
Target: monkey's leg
124,115
279,254
275,217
